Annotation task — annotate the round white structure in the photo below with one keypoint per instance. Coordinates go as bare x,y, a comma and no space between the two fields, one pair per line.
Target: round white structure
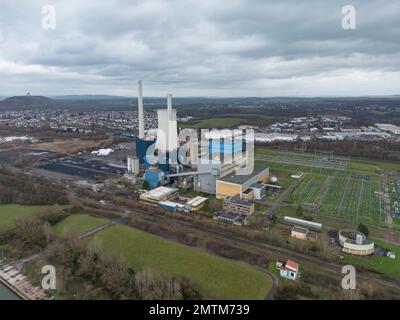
355,242
274,179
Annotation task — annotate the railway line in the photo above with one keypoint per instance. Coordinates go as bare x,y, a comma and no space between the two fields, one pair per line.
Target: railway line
318,264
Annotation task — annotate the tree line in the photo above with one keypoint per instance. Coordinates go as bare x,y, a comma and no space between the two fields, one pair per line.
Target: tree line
85,271
18,188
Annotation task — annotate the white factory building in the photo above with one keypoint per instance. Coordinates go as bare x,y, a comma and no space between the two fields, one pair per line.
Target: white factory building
391,128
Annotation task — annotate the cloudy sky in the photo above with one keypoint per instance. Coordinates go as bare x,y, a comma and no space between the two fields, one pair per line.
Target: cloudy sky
200,48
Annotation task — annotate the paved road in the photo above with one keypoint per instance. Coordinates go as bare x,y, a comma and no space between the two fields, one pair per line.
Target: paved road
279,201
96,230
20,263
275,283
386,199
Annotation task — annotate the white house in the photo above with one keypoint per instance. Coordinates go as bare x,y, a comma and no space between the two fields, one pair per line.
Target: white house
288,270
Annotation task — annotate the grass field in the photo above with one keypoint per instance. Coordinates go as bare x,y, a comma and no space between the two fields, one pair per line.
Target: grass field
379,263
309,189
211,275
77,224
217,123
10,213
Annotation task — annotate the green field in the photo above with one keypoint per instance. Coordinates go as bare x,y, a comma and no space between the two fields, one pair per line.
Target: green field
379,263
309,189
213,276
77,224
217,123
10,213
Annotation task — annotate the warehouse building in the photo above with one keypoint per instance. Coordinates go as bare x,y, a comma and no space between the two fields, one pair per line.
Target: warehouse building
303,234
231,218
388,128
154,196
196,203
233,184
172,206
302,223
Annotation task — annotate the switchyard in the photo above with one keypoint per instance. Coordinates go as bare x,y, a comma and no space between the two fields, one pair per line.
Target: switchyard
318,161
331,186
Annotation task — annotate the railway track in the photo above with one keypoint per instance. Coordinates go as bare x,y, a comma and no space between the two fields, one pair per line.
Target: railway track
317,263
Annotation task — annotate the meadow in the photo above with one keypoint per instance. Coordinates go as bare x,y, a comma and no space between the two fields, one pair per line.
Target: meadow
217,123
213,276
11,213
379,263
77,224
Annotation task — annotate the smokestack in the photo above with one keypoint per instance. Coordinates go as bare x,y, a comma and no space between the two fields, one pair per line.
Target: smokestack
141,115
169,101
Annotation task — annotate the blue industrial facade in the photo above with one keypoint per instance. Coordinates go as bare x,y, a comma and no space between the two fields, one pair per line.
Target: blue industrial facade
153,177
124,135
169,208
141,150
225,147
163,160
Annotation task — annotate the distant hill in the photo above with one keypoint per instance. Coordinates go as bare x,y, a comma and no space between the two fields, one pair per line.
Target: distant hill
83,97
26,102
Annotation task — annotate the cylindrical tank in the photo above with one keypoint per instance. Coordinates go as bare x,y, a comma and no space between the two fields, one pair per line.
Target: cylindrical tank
274,179
129,163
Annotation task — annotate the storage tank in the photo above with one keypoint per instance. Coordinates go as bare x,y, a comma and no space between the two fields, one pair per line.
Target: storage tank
135,165
274,179
129,163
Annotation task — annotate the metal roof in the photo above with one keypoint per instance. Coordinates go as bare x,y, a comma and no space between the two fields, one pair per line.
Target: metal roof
196,201
241,179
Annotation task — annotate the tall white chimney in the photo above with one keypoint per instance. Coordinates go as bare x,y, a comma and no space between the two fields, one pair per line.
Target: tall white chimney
169,101
141,115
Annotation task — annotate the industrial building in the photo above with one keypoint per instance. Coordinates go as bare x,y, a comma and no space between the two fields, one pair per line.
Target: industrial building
231,218
388,128
232,184
221,154
172,206
302,223
156,195
355,242
133,165
238,206
302,234
196,203
183,204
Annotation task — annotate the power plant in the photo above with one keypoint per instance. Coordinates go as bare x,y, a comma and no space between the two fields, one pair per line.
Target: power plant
208,167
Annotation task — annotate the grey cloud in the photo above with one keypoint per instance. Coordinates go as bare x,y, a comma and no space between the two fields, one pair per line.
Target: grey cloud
214,47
